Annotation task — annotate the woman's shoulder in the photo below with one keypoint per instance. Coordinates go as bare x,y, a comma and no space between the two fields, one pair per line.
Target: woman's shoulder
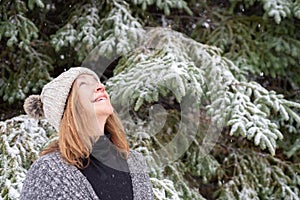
140,175
50,158
135,155
51,162
50,177
137,162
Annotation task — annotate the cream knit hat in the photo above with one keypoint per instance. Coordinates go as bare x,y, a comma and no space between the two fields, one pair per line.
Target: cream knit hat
51,103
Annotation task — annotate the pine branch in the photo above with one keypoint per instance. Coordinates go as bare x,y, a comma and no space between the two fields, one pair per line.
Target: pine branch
260,176
81,32
21,139
165,5
121,31
245,106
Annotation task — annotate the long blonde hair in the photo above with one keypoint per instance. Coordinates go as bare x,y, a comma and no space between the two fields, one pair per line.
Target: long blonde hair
76,133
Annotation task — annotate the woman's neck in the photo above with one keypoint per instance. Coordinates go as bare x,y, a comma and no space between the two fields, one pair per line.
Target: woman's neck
101,124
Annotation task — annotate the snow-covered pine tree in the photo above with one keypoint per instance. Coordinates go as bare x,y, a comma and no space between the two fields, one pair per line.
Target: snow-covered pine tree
25,65
21,139
33,33
170,64
249,38
255,38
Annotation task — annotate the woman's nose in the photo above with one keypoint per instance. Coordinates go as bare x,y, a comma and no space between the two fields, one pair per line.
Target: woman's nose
100,87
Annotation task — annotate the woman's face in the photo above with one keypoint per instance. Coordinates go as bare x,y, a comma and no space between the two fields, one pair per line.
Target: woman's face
93,97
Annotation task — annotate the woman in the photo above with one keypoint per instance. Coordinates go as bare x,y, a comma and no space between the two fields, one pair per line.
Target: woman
91,158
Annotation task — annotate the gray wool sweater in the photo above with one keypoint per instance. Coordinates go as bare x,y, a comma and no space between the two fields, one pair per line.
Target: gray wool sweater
52,178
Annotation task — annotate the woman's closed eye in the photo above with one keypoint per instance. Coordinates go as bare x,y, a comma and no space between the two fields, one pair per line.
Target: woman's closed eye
82,83
86,80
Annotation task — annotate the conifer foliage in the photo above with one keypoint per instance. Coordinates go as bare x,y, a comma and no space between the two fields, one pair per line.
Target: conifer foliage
21,139
207,91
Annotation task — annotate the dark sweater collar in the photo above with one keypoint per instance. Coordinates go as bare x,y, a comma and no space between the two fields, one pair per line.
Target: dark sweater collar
105,152
107,134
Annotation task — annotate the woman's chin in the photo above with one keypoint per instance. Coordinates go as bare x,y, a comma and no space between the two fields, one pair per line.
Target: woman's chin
104,112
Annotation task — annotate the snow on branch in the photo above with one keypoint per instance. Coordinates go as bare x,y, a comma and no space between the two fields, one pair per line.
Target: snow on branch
165,5
120,30
21,139
178,65
82,31
18,29
271,177
164,189
278,9
157,73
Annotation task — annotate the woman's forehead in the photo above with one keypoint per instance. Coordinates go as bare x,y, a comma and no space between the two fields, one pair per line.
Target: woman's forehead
86,77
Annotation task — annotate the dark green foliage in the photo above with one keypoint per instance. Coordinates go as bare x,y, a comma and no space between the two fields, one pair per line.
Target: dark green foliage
263,45
24,63
238,59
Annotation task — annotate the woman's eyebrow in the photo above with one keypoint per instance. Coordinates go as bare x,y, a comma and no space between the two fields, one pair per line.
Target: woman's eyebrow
96,79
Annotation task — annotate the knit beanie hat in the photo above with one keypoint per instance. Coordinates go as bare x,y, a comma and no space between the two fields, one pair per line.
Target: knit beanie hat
51,103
